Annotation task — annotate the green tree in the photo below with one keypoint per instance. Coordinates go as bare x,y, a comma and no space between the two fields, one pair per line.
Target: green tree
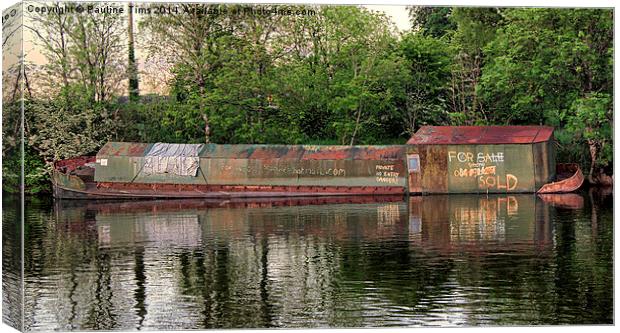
431,21
591,120
70,112
346,69
554,67
476,28
427,85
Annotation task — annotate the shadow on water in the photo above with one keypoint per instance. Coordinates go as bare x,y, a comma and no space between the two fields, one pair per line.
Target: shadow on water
342,262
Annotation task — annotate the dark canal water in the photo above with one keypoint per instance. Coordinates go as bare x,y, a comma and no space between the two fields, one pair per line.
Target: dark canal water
361,262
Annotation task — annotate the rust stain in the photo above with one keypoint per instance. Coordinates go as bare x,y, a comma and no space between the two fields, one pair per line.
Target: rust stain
72,163
434,165
275,152
268,152
380,153
343,154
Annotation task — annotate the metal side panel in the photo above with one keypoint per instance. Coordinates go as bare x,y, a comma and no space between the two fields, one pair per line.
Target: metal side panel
461,172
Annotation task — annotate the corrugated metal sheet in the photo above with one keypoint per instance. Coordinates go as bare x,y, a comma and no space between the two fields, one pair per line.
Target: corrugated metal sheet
458,135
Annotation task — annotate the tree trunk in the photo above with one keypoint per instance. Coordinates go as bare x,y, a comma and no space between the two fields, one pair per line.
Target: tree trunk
357,125
593,153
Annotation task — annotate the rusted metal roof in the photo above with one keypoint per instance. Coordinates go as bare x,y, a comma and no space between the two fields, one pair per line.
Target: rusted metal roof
269,152
307,152
461,135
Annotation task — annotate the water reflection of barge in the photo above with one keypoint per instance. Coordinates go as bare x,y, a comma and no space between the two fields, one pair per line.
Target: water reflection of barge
433,222
405,250
437,159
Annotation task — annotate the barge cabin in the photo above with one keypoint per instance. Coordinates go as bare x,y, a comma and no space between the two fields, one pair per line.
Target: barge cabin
480,159
437,159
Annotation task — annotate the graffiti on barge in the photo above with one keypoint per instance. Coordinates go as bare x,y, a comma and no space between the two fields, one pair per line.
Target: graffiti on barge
498,182
274,170
497,157
475,170
386,174
482,166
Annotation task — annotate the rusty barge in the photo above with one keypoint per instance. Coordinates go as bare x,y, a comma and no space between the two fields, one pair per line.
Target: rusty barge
437,159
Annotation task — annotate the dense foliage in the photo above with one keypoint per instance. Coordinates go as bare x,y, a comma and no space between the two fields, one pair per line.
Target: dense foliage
337,75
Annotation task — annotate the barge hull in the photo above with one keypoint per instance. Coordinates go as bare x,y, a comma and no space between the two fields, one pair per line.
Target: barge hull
141,191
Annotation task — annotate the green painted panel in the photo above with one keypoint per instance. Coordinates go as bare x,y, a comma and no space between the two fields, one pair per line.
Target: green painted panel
129,169
490,169
519,168
544,161
68,181
541,167
115,168
461,178
305,172
276,172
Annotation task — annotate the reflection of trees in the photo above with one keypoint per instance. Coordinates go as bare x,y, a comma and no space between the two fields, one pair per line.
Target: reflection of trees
276,261
62,246
100,315
11,262
140,290
513,275
329,265
583,264
266,307
397,271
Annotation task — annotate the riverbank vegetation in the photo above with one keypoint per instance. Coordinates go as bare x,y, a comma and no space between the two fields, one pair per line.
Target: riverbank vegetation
340,75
